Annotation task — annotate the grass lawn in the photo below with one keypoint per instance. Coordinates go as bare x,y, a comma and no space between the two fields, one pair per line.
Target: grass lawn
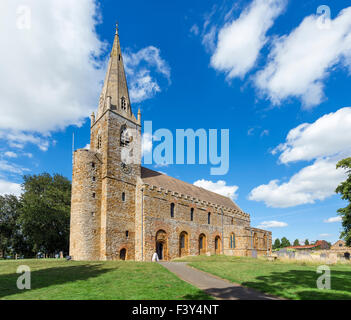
284,279
63,280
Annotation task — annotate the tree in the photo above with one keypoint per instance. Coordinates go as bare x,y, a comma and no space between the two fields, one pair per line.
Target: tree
345,190
45,212
296,242
285,242
276,244
9,228
307,242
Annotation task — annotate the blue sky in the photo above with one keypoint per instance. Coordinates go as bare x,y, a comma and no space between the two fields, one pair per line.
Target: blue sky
258,68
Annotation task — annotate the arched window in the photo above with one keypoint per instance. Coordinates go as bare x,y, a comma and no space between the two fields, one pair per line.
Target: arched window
125,138
182,241
123,196
127,234
123,103
192,214
232,241
172,210
209,218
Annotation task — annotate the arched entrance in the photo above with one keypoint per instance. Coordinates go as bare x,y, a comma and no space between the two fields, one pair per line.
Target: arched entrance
218,245
255,241
347,255
123,254
161,244
183,244
202,244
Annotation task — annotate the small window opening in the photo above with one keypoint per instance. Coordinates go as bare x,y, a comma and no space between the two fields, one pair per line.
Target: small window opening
172,210
192,214
123,196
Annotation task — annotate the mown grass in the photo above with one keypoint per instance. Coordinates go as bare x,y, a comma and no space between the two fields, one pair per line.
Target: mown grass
110,280
285,279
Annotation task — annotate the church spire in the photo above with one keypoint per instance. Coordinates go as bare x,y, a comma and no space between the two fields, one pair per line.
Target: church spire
115,94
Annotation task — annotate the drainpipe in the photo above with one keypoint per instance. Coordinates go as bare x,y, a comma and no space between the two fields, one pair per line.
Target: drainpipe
142,224
222,232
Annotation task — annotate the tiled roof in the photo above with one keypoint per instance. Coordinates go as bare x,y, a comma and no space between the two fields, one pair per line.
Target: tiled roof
168,183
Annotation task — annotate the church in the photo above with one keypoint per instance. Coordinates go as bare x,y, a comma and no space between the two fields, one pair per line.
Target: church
123,211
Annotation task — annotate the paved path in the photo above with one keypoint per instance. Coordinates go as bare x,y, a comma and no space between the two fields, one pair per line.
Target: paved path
214,286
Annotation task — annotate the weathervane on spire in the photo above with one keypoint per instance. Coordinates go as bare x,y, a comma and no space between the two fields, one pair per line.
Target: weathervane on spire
117,27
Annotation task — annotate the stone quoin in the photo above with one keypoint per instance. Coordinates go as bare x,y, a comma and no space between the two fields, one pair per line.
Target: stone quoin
124,211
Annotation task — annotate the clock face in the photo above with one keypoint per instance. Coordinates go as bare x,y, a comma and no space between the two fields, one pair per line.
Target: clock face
126,168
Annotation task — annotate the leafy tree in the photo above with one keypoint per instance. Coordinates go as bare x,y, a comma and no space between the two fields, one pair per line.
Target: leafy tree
285,242
345,190
296,242
276,244
307,242
45,212
9,228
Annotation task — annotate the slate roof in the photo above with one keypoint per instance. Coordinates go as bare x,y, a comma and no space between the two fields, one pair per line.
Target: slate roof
161,180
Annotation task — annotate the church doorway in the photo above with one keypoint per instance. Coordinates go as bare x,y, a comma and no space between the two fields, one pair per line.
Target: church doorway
183,244
161,245
202,244
123,254
218,245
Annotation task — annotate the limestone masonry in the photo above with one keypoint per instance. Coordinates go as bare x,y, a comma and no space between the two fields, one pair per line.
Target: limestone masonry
125,211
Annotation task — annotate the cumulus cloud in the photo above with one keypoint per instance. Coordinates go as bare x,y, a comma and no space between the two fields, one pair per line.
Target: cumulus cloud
219,187
300,62
333,220
10,188
326,137
272,224
141,68
324,142
240,41
52,71
315,182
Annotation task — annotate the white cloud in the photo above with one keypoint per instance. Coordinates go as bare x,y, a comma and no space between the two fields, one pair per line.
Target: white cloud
139,66
333,220
10,188
10,154
18,140
325,235
323,138
11,168
195,29
87,146
51,69
219,187
323,141
272,224
315,182
240,41
300,62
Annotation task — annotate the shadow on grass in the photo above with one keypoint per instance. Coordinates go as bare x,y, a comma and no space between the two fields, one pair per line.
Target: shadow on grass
301,284
49,277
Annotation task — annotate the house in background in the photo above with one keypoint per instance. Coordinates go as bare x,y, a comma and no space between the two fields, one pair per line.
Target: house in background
318,245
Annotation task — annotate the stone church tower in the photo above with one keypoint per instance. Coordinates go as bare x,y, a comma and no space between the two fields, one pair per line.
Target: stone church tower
104,183
121,210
